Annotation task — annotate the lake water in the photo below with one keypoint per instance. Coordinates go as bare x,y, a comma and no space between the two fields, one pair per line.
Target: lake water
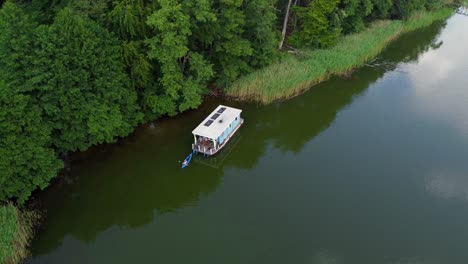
371,168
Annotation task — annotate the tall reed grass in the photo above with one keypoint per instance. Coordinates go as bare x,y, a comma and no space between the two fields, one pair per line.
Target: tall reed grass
15,233
295,73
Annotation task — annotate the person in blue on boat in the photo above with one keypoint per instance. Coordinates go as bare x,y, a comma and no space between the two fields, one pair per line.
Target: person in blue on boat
187,160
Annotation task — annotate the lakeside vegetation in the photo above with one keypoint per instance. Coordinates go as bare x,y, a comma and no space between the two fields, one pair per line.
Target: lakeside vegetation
295,73
15,232
79,73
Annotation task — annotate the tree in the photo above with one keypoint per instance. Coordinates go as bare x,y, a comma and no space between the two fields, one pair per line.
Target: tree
319,24
260,30
355,13
285,24
231,49
26,159
127,20
404,8
435,4
381,9
80,83
16,41
203,24
97,10
184,73
44,11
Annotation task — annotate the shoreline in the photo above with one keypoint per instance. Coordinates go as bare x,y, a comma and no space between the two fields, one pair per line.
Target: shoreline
16,232
296,73
23,232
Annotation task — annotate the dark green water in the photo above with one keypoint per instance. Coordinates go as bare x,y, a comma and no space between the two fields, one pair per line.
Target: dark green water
368,169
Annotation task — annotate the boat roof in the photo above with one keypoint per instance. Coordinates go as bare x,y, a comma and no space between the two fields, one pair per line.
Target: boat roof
217,122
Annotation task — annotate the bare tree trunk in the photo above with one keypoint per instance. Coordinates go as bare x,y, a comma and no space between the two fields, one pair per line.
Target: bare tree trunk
285,25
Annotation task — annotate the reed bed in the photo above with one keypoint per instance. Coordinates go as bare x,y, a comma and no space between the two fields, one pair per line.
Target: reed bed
15,233
295,73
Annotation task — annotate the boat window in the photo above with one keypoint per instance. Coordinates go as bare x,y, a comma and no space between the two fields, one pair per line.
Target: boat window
222,109
208,123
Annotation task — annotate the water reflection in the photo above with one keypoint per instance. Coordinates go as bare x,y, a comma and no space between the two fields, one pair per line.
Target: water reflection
128,184
448,185
289,125
325,257
432,95
135,186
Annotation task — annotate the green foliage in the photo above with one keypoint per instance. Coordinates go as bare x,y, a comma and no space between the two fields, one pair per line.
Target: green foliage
44,11
133,54
404,8
15,233
422,18
8,228
295,74
82,72
94,9
260,31
381,8
184,73
80,82
231,49
169,45
127,18
199,73
25,158
355,13
435,4
319,24
203,24
16,39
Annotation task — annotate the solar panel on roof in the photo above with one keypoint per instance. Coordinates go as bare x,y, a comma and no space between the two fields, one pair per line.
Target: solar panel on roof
215,116
208,123
221,110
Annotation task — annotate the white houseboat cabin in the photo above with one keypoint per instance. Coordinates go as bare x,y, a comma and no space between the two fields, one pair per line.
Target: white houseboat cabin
216,130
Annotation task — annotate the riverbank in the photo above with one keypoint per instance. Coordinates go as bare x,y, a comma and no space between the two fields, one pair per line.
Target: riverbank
295,73
329,162
15,234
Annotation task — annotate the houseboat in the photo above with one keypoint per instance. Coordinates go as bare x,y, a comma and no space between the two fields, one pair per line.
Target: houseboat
216,130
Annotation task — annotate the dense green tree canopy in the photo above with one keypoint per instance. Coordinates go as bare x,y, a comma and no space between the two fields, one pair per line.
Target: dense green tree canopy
16,41
259,32
76,73
320,27
231,50
81,84
381,8
26,159
355,13
169,47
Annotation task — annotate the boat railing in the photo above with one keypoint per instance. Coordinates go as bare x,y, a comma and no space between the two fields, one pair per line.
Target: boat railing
203,149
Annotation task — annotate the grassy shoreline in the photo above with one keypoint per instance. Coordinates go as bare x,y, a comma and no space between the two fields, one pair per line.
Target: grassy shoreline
294,74
15,234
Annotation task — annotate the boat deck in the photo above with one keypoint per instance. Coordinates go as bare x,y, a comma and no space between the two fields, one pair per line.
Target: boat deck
207,147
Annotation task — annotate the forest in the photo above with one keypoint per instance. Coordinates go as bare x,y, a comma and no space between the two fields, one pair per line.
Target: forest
78,73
